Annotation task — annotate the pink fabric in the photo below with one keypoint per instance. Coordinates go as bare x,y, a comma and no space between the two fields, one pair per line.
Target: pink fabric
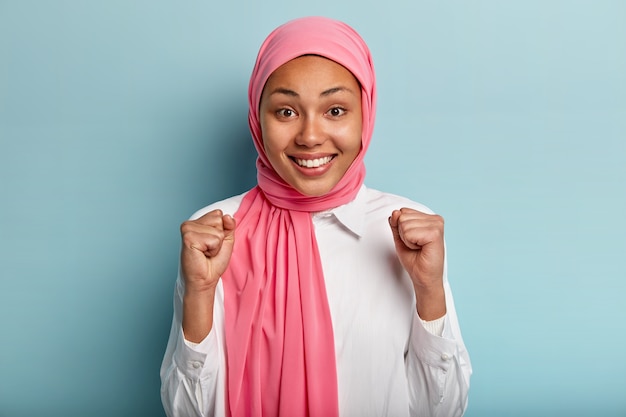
279,335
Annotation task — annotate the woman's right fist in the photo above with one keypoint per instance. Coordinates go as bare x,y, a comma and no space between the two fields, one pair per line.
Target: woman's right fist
207,244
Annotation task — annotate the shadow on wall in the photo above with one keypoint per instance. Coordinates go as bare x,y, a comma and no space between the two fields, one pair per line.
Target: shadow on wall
226,156
238,161
215,160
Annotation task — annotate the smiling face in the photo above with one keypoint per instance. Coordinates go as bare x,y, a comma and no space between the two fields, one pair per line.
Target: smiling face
311,122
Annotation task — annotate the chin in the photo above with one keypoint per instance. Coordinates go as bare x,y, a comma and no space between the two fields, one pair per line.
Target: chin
313,191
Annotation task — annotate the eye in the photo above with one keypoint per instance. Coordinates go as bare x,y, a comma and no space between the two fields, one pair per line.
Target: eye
285,113
336,111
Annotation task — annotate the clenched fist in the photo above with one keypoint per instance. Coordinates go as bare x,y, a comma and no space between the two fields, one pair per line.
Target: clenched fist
419,244
206,249
207,245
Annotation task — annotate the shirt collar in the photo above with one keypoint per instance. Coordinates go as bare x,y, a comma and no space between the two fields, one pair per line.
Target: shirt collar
352,214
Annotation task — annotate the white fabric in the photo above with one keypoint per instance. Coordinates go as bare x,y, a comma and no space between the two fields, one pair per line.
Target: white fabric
388,363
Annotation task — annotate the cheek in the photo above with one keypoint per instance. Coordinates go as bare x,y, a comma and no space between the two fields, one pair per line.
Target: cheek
269,151
354,132
268,138
268,134
273,150
271,145
354,143
276,137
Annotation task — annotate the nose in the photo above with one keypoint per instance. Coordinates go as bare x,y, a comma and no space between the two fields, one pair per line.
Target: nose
311,132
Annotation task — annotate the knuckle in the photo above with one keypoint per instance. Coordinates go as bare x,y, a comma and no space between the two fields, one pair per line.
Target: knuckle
218,236
187,241
185,226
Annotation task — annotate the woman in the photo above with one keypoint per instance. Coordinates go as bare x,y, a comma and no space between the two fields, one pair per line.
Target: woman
312,295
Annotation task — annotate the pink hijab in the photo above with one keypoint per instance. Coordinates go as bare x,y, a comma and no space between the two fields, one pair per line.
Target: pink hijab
279,337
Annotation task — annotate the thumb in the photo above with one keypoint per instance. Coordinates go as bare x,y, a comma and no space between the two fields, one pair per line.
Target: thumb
229,223
393,224
222,258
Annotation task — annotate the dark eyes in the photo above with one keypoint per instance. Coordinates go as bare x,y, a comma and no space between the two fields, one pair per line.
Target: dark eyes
287,113
336,111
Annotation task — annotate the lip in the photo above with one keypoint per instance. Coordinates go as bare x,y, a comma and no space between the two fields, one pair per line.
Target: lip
313,171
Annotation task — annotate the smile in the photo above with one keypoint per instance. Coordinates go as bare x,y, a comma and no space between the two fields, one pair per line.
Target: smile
313,163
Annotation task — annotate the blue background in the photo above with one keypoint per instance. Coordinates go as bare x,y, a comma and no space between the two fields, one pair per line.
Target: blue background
118,119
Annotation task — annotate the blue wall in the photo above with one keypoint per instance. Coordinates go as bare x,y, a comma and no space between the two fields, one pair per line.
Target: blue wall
118,119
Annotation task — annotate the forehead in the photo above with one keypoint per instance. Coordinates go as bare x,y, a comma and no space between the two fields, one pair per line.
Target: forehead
309,69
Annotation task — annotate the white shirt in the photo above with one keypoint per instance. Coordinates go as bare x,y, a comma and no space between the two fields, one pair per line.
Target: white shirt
388,363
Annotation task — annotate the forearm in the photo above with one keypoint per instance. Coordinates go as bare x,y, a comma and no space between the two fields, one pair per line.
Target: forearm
197,314
190,375
430,302
440,363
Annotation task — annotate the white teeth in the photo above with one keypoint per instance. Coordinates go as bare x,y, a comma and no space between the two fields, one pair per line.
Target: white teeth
313,163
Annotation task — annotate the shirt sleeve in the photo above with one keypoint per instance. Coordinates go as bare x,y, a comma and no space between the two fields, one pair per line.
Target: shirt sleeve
438,367
189,372
434,327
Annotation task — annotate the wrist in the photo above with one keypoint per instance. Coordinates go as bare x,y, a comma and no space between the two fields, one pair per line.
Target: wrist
430,302
199,290
197,314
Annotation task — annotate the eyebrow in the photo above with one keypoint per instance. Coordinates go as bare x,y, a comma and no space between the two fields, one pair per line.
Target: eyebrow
336,90
324,93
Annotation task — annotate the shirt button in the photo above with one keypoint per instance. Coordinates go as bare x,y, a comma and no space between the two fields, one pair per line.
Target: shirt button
196,365
445,357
